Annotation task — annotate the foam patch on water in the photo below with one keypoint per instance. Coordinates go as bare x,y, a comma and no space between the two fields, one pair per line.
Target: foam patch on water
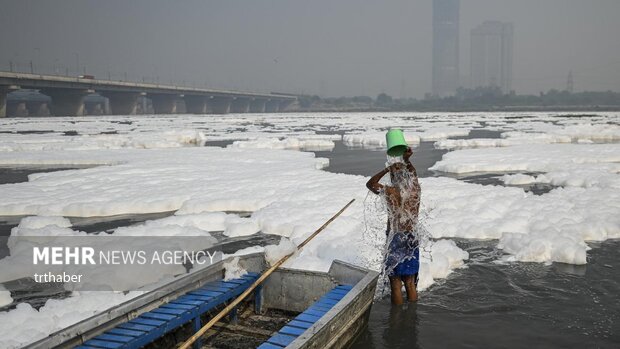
274,253
210,221
518,179
5,297
38,222
283,207
237,226
144,181
443,258
244,251
542,246
287,143
550,228
26,324
530,158
437,133
375,139
585,133
53,142
134,276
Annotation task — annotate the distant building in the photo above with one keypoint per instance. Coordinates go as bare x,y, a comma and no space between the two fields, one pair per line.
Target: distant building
445,47
491,55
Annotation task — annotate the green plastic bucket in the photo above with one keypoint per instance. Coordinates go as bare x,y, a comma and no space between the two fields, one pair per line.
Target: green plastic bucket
396,144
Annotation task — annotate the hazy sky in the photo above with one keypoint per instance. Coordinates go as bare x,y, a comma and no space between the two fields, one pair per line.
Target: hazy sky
327,47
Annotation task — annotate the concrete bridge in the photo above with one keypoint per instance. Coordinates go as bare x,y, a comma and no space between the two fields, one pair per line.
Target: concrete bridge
68,93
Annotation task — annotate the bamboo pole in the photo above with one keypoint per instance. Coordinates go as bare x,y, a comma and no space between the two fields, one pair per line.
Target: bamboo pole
262,278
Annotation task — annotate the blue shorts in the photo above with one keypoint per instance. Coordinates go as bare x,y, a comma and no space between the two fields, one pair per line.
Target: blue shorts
403,257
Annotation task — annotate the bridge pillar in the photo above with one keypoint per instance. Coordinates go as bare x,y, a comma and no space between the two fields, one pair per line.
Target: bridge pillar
272,106
38,109
4,90
220,105
122,103
284,105
94,108
143,104
258,106
240,105
196,104
17,108
164,103
67,102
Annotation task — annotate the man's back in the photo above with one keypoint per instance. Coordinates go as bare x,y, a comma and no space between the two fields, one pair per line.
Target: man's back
403,205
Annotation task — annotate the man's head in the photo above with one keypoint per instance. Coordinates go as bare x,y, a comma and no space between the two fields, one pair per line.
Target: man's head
397,173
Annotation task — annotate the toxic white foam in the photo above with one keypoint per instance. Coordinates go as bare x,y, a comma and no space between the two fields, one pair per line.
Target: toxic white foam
550,228
287,143
26,324
291,198
540,133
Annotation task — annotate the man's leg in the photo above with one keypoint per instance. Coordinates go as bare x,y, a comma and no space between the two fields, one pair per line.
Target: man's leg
410,287
397,293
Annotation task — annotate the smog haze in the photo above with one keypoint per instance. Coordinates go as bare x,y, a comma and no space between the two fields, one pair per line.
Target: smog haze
329,48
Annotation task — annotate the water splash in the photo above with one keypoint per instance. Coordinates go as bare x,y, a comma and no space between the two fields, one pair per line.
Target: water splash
395,217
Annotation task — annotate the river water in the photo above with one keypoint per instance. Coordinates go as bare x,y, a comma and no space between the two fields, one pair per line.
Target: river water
485,304
492,305
517,305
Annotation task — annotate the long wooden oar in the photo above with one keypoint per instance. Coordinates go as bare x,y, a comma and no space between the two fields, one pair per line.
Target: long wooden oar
262,278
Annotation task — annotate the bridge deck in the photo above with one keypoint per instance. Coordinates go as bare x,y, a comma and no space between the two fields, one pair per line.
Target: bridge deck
36,81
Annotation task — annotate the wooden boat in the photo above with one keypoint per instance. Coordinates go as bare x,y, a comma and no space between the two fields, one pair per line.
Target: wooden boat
292,309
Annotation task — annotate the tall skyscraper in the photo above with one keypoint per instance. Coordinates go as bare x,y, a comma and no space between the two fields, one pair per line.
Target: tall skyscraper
491,55
445,47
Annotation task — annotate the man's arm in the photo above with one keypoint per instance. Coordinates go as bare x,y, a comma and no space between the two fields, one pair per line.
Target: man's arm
373,183
406,157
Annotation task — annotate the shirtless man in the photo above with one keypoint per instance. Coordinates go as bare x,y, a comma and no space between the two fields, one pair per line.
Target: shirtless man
403,205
